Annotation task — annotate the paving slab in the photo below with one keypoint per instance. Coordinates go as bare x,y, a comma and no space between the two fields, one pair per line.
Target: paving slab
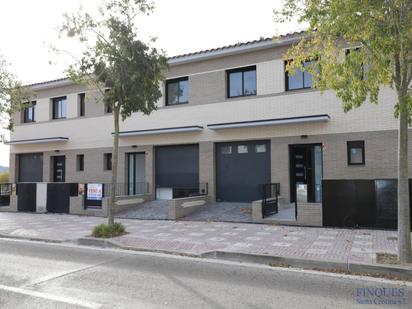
329,245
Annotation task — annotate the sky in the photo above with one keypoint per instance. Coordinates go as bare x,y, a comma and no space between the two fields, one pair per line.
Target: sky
28,27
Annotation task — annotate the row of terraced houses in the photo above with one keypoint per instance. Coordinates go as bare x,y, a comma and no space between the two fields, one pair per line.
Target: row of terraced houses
230,120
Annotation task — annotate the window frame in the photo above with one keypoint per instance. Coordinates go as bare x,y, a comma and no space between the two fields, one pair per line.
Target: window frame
172,81
303,77
54,101
107,161
82,104
355,144
241,70
80,162
25,113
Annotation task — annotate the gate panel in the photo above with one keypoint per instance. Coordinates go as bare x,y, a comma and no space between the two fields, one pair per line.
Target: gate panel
58,197
26,197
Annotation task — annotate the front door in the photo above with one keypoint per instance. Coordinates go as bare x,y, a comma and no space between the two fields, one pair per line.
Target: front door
136,173
306,171
59,168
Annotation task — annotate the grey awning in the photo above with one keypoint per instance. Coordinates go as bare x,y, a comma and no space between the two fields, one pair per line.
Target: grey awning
269,122
38,140
161,131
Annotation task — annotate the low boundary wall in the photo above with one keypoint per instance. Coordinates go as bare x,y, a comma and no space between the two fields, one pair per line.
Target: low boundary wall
181,207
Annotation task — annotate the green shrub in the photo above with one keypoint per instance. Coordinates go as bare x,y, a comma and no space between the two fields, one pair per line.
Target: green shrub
107,231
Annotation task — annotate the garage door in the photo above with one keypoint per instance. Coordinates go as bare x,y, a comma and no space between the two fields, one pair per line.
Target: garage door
31,167
241,168
177,168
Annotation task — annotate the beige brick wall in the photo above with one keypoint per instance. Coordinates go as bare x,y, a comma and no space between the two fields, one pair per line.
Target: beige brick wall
380,156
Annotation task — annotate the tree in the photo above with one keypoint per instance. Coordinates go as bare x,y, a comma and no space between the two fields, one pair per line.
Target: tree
125,70
13,97
378,38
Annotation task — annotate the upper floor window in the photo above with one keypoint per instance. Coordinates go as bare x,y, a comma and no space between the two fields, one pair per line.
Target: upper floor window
28,113
241,82
177,91
59,107
299,80
82,104
359,73
107,107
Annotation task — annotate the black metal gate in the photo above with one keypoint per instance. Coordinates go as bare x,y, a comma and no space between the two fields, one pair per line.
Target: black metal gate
58,196
26,197
270,194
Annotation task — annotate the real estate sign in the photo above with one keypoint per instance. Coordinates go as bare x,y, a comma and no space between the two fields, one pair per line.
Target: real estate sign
95,191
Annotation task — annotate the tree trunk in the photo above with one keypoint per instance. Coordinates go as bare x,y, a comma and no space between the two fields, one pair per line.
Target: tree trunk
115,157
404,229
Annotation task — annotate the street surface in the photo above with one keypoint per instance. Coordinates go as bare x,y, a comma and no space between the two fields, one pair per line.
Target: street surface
41,275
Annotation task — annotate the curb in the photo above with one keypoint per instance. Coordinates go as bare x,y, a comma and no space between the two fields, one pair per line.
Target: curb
55,241
398,272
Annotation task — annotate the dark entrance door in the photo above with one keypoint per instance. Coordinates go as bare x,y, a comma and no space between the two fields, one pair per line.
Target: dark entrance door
59,168
30,167
241,170
26,197
306,169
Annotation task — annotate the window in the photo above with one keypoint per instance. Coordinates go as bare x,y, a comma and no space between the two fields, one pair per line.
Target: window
177,91
82,102
107,161
242,149
80,163
241,82
59,107
300,80
28,113
356,153
107,107
260,148
226,150
360,74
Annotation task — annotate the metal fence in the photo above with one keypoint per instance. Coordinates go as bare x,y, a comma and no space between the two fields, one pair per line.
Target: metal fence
125,189
270,197
5,192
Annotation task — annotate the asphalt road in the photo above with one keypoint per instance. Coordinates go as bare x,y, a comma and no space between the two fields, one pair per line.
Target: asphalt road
39,275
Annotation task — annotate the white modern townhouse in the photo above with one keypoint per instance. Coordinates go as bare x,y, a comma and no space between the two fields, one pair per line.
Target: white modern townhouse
232,125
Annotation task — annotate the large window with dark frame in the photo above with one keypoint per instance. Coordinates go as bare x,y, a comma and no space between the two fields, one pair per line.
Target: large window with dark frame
177,91
356,152
82,104
299,80
241,82
29,113
59,107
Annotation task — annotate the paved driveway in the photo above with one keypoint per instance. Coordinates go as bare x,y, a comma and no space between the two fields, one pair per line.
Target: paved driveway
154,210
224,212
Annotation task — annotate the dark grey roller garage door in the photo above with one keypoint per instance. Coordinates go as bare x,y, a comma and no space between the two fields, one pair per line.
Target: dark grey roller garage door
177,165
31,167
241,167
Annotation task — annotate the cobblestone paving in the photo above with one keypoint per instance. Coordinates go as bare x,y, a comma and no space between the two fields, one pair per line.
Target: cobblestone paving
224,212
340,245
157,210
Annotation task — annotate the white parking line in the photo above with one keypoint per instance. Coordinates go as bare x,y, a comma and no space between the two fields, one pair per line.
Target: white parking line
47,296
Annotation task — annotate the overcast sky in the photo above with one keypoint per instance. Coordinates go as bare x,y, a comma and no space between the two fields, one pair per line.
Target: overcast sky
181,26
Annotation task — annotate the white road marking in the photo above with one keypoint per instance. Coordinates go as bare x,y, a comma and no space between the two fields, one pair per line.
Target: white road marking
47,296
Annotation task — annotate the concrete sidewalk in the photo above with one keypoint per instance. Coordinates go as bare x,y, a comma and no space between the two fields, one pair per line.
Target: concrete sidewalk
326,245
